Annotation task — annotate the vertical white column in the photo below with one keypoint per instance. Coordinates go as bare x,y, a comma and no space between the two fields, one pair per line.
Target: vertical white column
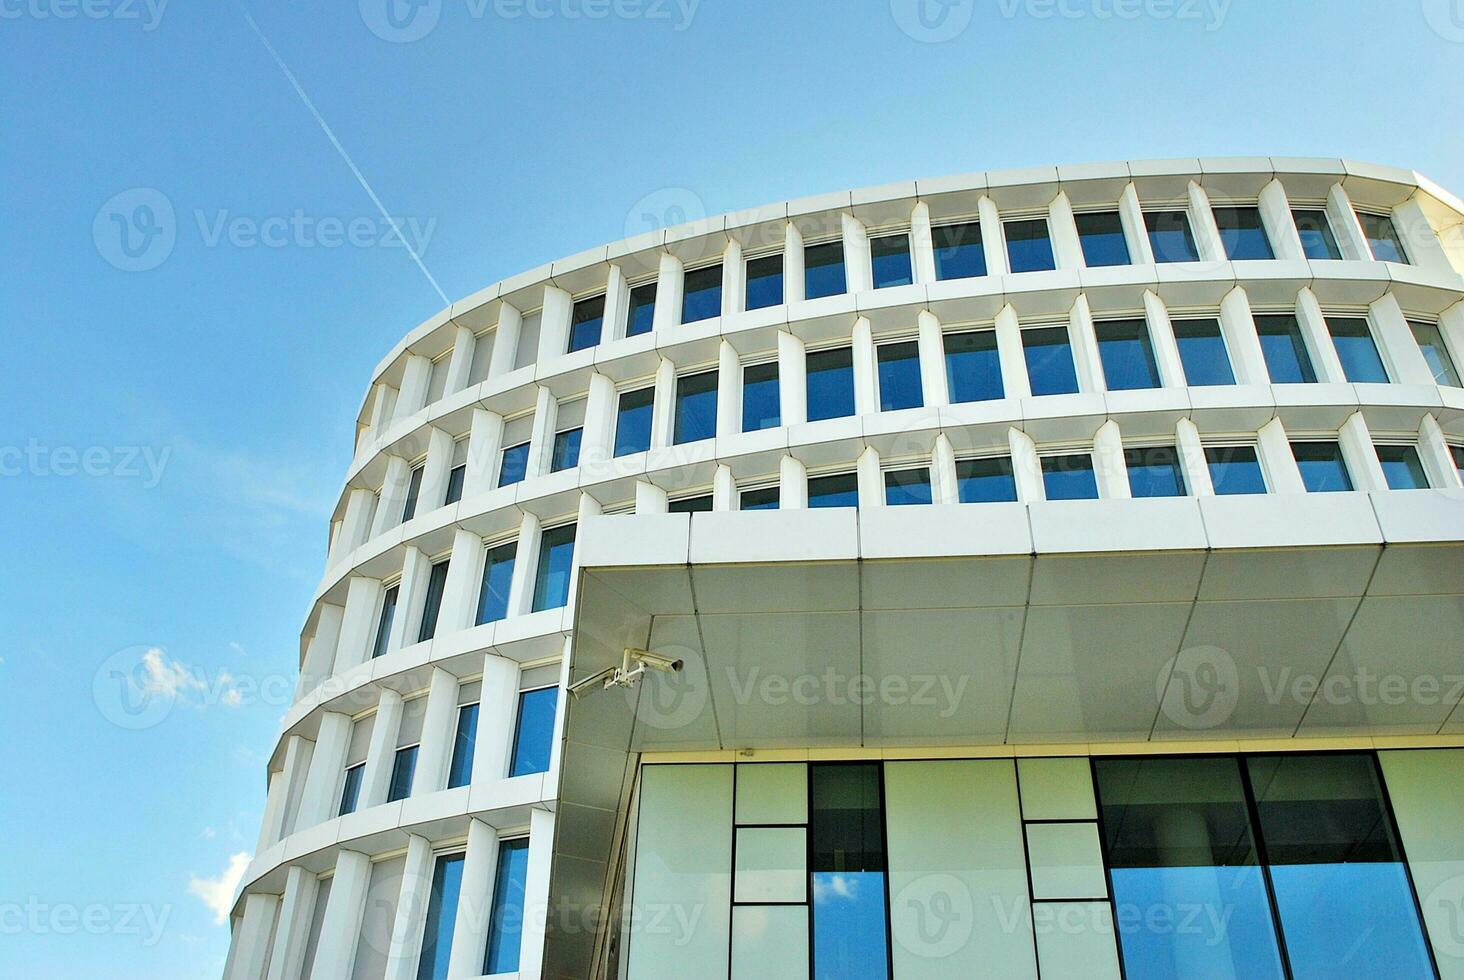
724,489
1067,250
1421,239
411,597
1202,222
460,364
505,340
526,558
356,528
1191,451
381,751
943,486
1009,354
1026,466
1451,325
1274,447
1275,210
650,499
793,283
792,484
617,304
411,910
932,360
554,324
670,283
1351,242
1108,463
536,892
497,709
319,802
485,439
383,403
792,379
440,446
393,496
993,237
922,245
870,479
439,725
588,507
298,753
1161,332
1135,231
729,391
858,272
663,409
252,939
1360,455
292,934
600,406
866,385
1406,364
341,926
1318,338
1085,346
734,279
541,438
1433,451
464,578
363,604
320,652
416,377
1238,327
274,810
475,903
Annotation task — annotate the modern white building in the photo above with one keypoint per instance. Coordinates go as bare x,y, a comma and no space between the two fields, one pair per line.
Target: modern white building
1065,567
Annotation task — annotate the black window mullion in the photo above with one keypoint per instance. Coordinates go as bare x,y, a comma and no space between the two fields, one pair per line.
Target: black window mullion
1258,839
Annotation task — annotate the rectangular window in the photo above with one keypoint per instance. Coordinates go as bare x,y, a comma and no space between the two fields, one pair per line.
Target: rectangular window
838,490
464,740
764,281
761,498
403,767
1235,470
633,421
1315,231
1127,354
384,619
1431,342
830,384
696,407
973,366
987,480
442,904
533,734
702,298
1323,470
414,488
1458,453
514,465
497,574
556,558
1284,349
585,323
1356,349
1170,237
1101,235
505,929
1069,477
1154,471
907,487
1202,352
847,870
641,315
455,478
823,270
1243,233
1402,468
1029,247
566,449
761,402
1049,356
351,790
889,258
1382,237
691,505
436,583
959,253
899,376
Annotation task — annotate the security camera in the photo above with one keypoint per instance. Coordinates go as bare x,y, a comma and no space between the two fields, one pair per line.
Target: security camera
633,663
654,660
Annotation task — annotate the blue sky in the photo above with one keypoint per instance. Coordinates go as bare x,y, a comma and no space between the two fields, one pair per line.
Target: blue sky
178,406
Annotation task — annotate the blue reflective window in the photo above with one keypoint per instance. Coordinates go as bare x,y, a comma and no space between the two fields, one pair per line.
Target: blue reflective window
1127,354
585,323
1356,349
403,767
899,376
436,584
455,479
1170,237
1154,471
556,557
505,930
830,384
973,366
959,253
1235,470
497,574
514,465
1315,231
1243,233
1382,237
1029,247
442,904
907,487
696,407
1323,470
761,403
847,872
351,790
762,498
1284,349
1402,468
533,733
1049,357
764,281
384,620
641,310
464,740
838,490
633,421
566,450
889,258
1101,235
987,480
823,270
702,296
414,488
690,505
1069,477
1431,342
1202,352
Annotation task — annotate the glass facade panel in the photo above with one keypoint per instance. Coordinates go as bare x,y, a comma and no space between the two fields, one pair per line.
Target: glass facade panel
514,465
403,768
384,620
973,366
1235,470
1127,354
586,322
899,376
830,384
702,296
764,281
823,270
986,480
959,252
1284,349
464,740
1356,349
907,487
1170,237
1069,477
889,258
1382,237
1202,352
771,865
1154,472
691,505
696,407
1101,235
761,402
455,479
641,312
1243,233
436,583
1402,468
533,733
442,903
838,490
1323,470
1049,356
1315,231
633,421
351,790
497,575
414,489
556,558
1458,453
505,928
762,498
1029,247
847,872
566,450
1431,342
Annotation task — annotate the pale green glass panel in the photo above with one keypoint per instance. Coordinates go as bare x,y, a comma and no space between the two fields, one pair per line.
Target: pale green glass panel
1066,861
1426,787
769,941
1075,941
1056,789
772,864
773,792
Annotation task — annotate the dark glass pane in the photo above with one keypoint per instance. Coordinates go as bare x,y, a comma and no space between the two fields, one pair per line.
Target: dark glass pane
351,791
1356,349
889,258
566,450
899,376
436,583
1170,237
1382,237
1243,233
696,407
442,904
907,487
691,505
1317,240
1347,908
1154,472
1029,248
763,498
959,253
515,464
1127,355
1069,477
464,740
1049,357
847,872
823,270
1179,842
556,554
633,421
414,487
505,931
702,298
1202,351
383,622
1458,453
764,281
1101,235
1323,469
1402,468
403,766
839,490
497,574
585,323
1284,350
973,366
985,481
642,313
455,484
533,734
830,383
1235,470
761,403
1431,342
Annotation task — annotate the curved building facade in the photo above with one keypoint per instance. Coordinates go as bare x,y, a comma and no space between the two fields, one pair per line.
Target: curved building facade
1055,572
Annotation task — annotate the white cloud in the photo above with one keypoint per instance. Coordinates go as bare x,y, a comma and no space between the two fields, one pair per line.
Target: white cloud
835,886
168,677
208,833
218,893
